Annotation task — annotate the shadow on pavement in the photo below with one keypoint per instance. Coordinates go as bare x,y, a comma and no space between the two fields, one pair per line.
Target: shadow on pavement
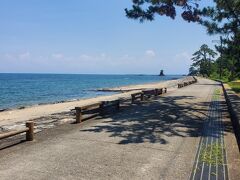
156,120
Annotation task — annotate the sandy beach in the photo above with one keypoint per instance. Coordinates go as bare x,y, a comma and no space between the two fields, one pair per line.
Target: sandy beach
61,112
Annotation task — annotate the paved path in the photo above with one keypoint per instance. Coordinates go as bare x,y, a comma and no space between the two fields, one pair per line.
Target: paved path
157,139
211,162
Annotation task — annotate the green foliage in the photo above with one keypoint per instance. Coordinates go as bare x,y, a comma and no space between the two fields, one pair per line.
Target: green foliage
222,18
147,9
203,61
235,85
193,71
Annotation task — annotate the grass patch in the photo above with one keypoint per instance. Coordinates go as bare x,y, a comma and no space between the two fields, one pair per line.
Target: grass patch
212,154
217,92
217,79
235,85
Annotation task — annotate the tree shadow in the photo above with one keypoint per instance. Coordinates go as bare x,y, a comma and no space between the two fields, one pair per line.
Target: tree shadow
153,121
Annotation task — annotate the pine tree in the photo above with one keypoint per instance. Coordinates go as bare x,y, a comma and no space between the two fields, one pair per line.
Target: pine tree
147,9
202,60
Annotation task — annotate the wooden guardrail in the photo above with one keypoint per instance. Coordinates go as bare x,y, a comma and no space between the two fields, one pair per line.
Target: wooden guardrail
180,85
165,90
159,91
195,79
109,104
136,96
100,108
154,92
28,130
183,84
95,109
81,110
147,93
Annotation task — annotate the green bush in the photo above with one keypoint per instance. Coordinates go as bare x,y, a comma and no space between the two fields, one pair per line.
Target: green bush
235,85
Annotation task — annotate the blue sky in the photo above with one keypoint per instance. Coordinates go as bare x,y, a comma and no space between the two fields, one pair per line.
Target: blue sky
79,36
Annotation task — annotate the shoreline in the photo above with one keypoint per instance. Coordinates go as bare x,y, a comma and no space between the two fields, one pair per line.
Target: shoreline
17,117
145,86
48,103
107,90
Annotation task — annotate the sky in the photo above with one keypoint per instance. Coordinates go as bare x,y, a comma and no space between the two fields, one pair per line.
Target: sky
92,37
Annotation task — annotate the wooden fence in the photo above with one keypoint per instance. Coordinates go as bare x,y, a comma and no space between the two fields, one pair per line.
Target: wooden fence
28,130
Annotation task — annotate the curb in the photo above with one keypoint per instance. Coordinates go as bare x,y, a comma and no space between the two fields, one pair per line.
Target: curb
233,109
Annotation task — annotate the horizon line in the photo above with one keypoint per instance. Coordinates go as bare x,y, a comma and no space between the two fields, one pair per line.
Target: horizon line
89,73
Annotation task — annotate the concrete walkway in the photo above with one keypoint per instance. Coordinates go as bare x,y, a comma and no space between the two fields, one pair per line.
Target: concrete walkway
211,161
157,139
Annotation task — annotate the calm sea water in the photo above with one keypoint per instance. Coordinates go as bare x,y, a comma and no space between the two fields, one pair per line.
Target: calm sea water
18,90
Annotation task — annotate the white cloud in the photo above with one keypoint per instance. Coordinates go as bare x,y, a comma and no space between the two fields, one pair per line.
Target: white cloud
57,56
16,56
183,56
25,55
127,57
8,56
180,62
85,57
96,57
150,53
101,62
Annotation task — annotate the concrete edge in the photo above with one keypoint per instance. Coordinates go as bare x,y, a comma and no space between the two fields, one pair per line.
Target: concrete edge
230,98
232,141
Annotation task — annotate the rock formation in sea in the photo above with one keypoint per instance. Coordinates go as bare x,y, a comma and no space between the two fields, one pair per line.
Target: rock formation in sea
161,73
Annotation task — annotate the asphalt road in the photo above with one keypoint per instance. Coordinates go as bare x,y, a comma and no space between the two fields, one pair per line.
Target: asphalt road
157,139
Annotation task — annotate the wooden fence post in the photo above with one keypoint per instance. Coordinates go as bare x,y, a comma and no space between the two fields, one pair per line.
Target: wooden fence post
118,104
78,115
142,96
156,92
101,109
29,133
133,98
165,90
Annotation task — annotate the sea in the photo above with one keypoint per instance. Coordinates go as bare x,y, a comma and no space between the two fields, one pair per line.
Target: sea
21,90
